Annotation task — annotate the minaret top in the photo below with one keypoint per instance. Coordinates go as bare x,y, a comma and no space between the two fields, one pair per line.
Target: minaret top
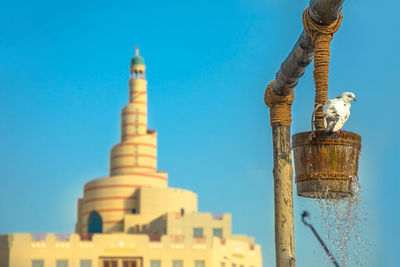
137,59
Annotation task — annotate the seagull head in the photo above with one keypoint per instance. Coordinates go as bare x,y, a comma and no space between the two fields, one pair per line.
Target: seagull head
347,97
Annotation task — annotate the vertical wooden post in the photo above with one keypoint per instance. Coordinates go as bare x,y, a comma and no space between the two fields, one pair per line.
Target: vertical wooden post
283,197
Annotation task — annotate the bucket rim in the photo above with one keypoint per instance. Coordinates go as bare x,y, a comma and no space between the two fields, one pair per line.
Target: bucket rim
319,138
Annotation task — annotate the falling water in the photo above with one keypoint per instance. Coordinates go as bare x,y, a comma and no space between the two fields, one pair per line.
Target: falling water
341,224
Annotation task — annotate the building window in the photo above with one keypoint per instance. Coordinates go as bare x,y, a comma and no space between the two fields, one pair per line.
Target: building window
62,263
233,265
110,263
198,232
85,263
37,263
129,263
155,263
217,232
133,211
222,264
199,264
177,263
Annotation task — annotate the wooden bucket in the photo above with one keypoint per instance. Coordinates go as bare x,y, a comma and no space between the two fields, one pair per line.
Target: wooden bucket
326,167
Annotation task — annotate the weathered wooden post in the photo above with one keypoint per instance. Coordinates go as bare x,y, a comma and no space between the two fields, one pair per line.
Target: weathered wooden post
279,97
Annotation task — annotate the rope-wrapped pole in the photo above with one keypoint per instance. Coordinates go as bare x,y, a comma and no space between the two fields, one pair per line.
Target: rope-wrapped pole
323,12
321,36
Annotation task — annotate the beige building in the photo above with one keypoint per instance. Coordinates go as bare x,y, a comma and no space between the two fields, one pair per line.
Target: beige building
131,218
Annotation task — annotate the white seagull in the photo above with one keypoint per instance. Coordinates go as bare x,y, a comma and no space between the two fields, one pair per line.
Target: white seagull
336,112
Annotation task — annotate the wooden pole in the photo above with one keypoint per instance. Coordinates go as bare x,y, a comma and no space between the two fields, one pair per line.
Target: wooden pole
283,197
322,12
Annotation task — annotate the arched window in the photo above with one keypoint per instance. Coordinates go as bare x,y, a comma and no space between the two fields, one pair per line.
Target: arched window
95,224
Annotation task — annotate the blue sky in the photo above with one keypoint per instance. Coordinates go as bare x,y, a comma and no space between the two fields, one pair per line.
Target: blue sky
64,69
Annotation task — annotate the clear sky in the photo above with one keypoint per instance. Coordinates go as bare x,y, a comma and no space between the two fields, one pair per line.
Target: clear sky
64,69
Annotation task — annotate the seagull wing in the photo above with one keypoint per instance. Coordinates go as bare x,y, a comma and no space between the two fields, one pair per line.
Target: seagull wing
331,116
343,110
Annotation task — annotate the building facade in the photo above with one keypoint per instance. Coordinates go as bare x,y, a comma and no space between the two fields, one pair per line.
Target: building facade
131,218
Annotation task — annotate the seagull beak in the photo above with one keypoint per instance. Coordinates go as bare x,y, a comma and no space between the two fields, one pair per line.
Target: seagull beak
355,99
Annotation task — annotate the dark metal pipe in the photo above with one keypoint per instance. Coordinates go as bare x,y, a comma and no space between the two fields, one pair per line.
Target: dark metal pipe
303,216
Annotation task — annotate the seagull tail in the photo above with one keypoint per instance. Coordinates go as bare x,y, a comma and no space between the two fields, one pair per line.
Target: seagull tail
329,129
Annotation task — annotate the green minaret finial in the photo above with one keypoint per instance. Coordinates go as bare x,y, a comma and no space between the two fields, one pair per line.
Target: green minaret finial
137,59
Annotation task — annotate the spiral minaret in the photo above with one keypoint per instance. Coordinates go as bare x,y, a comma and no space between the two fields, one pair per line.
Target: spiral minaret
137,151
133,163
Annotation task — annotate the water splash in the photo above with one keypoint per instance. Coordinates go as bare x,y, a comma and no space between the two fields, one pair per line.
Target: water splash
341,223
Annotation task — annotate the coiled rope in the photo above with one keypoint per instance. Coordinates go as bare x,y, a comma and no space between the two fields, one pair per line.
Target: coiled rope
321,36
280,107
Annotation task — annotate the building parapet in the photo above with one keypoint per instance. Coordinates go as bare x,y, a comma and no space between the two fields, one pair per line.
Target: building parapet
66,240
